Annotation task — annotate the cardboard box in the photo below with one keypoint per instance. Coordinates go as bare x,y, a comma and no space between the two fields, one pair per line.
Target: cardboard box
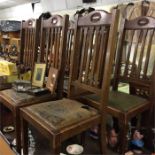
8,68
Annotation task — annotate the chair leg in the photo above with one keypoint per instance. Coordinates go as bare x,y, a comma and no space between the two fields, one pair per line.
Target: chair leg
83,138
139,121
24,127
123,136
17,131
1,117
102,138
56,150
56,147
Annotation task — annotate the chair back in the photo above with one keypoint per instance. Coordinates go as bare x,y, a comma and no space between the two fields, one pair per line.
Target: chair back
135,59
29,43
69,50
53,45
91,61
70,38
141,8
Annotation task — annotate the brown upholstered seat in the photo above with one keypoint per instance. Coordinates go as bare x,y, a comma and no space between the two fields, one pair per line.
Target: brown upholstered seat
20,99
62,113
129,101
121,101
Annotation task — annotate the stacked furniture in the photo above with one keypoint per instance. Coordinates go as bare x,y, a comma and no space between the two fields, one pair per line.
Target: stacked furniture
56,26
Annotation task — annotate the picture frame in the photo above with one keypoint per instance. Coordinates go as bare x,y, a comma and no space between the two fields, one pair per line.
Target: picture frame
52,79
38,74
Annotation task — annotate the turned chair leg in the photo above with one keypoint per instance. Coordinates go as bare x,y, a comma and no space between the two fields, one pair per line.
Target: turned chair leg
102,138
24,127
123,136
83,138
17,131
56,145
1,116
56,150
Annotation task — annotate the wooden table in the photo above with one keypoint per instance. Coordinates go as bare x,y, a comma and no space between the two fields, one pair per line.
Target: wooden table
5,149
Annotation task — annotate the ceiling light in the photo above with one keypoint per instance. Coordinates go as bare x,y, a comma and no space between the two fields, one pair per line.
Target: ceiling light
2,1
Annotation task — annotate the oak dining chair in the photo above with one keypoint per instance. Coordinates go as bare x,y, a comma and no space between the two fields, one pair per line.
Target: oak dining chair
27,54
27,51
135,64
53,43
145,121
91,66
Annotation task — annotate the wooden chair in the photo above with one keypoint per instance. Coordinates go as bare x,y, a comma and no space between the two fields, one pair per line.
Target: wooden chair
135,68
131,11
141,8
69,50
29,44
91,64
53,39
28,52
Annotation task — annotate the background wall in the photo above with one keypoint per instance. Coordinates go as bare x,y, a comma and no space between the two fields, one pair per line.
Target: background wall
23,12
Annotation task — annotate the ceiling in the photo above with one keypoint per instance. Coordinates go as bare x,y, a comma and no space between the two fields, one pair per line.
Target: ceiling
10,3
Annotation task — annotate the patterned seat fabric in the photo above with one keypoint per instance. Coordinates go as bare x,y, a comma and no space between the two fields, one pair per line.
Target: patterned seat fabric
125,102
62,113
121,101
20,99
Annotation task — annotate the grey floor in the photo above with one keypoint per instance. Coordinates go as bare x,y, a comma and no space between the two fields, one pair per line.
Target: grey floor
40,146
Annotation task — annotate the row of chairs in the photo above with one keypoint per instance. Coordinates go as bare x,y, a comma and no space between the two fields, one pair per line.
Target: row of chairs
92,58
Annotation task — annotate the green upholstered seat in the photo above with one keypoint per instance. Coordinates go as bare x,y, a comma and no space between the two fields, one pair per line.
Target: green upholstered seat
125,102
61,113
121,101
20,99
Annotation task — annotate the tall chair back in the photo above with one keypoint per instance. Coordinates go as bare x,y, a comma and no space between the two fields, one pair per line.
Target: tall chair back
53,46
135,59
69,50
29,43
93,54
70,39
141,8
